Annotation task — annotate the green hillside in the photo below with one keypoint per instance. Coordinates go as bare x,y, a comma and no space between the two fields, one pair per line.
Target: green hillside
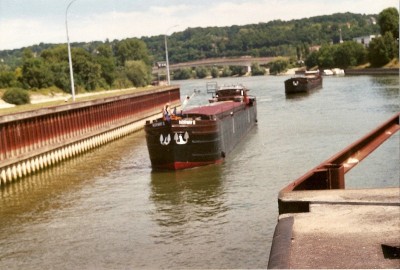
274,38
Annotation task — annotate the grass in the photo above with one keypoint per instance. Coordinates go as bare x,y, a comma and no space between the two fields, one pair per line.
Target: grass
87,97
394,63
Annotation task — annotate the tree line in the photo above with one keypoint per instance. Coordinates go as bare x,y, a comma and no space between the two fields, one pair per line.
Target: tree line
381,50
107,65
128,62
272,39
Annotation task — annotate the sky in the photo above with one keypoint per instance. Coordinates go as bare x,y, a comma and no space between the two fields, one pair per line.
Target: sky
29,22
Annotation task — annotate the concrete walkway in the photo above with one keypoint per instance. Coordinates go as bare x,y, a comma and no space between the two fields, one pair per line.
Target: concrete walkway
343,229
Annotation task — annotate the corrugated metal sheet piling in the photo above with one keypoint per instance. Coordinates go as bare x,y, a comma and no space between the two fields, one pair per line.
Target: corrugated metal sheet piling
31,141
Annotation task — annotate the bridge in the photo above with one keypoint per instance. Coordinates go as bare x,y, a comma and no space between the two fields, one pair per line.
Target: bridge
245,61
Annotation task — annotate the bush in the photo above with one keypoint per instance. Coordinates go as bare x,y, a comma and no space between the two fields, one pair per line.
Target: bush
137,73
256,70
182,74
16,96
237,70
278,66
201,72
226,72
215,72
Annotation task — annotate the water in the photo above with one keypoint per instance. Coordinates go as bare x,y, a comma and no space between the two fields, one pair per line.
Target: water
107,210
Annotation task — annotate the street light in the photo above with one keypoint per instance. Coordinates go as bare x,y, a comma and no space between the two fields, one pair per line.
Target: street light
71,72
166,53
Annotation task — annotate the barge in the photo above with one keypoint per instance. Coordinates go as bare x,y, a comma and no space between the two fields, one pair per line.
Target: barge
202,135
309,81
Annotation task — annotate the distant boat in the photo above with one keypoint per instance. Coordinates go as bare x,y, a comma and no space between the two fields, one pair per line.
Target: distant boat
202,135
338,71
299,84
334,71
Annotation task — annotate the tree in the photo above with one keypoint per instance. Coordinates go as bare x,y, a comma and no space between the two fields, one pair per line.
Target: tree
86,70
382,49
62,79
386,47
35,72
104,57
214,72
388,20
201,72
226,71
326,56
131,49
57,60
7,79
278,66
312,60
138,73
237,70
349,53
256,70
182,74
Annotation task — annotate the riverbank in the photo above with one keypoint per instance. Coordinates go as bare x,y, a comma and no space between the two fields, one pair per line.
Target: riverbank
372,71
357,71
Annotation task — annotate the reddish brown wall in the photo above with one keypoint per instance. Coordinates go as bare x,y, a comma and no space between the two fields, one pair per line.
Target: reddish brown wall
26,135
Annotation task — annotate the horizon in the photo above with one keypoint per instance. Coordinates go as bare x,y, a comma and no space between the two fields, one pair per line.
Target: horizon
29,23
75,42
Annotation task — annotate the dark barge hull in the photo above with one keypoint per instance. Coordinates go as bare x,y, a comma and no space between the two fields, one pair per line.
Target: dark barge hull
204,136
302,84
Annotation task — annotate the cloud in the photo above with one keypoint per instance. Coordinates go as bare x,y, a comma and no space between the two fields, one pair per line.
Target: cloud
120,25
171,10
16,33
122,19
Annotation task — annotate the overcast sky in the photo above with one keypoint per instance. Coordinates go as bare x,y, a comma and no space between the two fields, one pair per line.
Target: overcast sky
29,22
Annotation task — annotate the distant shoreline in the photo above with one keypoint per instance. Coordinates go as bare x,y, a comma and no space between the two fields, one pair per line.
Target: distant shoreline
358,71
372,71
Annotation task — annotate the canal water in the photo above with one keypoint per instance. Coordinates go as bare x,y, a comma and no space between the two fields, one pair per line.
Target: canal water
106,209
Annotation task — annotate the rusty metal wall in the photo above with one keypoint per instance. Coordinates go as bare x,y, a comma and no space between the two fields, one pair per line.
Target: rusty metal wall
30,141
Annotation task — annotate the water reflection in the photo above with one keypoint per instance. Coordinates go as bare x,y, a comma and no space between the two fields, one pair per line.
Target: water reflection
32,192
297,96
59,186
385,81
194,195
302,95
386,86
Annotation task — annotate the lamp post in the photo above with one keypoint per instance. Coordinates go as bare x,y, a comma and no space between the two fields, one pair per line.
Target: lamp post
71,72
166,53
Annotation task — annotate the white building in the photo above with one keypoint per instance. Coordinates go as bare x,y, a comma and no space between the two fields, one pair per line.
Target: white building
365,40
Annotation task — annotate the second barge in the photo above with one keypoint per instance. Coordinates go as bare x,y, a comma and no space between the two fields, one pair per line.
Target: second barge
309,81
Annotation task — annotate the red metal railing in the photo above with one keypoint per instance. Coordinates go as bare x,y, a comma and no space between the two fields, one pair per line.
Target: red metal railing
330,173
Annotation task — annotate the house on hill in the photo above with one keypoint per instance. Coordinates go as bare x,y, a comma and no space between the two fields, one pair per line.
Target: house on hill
365,40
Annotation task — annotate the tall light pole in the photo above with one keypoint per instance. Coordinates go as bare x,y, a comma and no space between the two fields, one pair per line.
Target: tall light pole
166,53
71,72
